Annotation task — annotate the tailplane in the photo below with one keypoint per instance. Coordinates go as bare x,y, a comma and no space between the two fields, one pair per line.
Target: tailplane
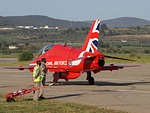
91,42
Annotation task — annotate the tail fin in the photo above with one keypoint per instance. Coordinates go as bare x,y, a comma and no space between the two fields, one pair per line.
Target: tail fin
91,42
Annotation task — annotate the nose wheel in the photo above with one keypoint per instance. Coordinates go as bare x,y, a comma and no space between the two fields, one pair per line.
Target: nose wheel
90,78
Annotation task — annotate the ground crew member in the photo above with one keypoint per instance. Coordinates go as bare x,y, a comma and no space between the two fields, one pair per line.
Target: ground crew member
43,70
37,78
43,73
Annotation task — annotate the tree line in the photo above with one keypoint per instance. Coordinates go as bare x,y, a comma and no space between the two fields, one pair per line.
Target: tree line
31,39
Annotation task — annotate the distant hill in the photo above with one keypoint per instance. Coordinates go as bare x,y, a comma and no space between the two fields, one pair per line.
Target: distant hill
37,20
126,22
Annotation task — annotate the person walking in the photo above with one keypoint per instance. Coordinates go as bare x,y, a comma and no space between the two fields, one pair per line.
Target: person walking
37,79
43,70
43,73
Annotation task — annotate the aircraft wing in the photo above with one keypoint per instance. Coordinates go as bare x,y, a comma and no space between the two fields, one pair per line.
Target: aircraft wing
112,67
20,67
49,68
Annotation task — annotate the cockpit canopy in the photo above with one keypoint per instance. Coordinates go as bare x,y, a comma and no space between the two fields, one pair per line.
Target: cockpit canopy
45,48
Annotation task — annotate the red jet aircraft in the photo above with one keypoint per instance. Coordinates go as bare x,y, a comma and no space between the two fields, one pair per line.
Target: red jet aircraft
69,63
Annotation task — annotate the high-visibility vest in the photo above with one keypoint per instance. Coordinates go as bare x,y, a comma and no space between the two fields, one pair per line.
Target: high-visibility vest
39,78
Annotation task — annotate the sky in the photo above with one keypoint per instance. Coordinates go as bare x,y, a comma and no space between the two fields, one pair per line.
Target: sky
77,10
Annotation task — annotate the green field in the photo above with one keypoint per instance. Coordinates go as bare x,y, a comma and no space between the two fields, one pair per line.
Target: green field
48,106
5,37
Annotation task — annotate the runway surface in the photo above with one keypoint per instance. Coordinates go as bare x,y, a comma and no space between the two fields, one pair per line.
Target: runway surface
126,90
8,59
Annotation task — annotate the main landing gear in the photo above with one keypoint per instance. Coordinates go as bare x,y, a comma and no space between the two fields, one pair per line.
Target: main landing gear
90,78
10,100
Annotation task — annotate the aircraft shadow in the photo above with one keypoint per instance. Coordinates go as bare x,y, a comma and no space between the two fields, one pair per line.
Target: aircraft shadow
64,96
29,86
5,86
120,84
57,97
102,83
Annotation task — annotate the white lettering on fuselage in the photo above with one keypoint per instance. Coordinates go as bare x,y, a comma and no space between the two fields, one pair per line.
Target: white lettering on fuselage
57,63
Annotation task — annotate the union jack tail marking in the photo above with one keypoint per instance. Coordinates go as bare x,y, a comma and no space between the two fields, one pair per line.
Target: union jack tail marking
91,42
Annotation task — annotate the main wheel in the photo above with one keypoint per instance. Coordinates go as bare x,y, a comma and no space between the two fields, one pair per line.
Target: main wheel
91,81
10,100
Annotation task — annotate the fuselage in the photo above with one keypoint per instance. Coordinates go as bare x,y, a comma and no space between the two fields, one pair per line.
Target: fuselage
65,58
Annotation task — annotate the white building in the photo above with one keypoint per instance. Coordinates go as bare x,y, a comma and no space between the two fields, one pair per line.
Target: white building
12,47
